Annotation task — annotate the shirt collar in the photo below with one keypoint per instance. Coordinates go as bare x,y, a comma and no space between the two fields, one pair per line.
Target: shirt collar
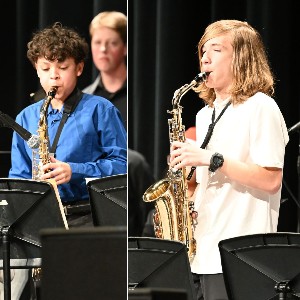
220,104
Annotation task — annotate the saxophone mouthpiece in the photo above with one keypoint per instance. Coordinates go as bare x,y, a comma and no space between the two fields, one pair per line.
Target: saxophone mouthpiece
52,91
200,77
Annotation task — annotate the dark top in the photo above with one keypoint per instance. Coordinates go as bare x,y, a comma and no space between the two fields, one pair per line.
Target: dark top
140,178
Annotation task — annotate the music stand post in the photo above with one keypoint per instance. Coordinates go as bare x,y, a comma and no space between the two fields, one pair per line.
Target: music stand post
298,172
6,263
296,128
26,207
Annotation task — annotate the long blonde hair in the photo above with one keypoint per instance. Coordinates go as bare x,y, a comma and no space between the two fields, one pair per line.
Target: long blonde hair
250,66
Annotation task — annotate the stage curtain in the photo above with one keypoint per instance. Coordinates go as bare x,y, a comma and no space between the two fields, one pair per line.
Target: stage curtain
163,38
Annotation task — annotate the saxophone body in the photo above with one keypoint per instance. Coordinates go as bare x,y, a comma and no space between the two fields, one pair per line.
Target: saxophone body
173,208
41,156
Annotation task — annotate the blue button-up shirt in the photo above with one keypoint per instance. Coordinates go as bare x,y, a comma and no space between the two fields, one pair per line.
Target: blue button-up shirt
93,142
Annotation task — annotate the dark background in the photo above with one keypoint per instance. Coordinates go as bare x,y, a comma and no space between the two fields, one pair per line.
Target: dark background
162,56
18,77
163,37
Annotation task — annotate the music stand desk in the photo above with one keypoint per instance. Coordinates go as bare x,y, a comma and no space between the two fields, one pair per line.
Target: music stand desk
262,266
108,199
26,207
84,263
159,263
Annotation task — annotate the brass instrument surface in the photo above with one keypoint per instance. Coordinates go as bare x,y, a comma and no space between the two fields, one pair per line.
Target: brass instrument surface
173,208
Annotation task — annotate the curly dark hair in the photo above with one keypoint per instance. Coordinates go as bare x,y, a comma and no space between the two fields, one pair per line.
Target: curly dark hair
57,42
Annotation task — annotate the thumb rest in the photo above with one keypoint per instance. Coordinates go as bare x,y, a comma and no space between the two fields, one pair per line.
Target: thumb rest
173,208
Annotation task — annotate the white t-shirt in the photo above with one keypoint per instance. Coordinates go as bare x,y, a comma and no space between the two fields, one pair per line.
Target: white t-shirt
253,132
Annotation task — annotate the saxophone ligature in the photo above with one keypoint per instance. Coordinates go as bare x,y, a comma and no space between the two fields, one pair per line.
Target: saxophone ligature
173,208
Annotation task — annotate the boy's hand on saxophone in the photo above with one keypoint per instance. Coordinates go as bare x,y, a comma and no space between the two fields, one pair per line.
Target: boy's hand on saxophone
58,170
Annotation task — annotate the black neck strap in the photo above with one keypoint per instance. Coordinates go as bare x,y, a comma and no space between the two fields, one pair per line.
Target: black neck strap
69,106
209,134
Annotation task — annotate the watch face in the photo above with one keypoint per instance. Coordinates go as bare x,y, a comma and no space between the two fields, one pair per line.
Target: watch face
218,160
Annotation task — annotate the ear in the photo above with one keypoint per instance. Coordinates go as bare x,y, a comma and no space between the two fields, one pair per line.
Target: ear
80,68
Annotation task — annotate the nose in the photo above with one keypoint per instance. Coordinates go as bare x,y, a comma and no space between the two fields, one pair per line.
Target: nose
204,58
54,73
103,48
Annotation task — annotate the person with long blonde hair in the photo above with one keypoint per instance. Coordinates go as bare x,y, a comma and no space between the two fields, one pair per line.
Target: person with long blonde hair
239,172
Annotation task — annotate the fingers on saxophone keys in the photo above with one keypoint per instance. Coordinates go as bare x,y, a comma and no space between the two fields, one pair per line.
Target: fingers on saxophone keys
175,150
172,162
175,145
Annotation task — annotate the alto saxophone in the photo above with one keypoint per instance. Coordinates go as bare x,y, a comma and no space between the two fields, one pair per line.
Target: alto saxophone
173,209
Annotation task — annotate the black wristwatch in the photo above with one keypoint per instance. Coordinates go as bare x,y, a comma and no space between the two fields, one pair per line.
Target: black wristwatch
216,162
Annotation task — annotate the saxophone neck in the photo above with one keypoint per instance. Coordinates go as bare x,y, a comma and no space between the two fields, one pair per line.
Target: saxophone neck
50,95
185,88
180,92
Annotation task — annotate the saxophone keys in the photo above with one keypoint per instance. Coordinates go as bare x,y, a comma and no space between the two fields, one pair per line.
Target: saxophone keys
158,233
194,214
157,227
156,219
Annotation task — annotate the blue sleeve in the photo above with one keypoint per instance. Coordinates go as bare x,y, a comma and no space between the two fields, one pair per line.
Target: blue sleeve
112,147
21,166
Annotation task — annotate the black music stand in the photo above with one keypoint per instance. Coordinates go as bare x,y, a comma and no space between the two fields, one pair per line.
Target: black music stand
26,206
159,263
108,199
84,263
157,294
262,266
